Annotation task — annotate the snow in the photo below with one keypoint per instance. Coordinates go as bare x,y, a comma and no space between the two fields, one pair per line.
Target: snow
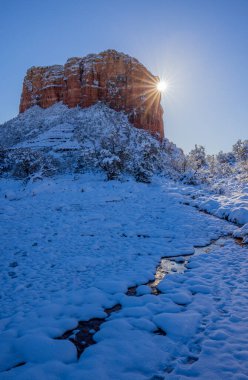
165,283
38,349
181,326
67,255
57,137
242,233
233,206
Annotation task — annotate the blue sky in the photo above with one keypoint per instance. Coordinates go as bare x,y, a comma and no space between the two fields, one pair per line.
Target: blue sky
200,46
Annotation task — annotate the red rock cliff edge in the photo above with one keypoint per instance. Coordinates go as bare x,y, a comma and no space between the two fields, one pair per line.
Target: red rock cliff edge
114,78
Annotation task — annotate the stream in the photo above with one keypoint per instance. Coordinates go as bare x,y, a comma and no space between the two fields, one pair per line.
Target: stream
83,335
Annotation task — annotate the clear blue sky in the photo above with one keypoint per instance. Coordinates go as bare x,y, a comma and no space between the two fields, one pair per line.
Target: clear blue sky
201,46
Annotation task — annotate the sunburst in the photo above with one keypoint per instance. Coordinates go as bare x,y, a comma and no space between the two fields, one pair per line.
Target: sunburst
162,86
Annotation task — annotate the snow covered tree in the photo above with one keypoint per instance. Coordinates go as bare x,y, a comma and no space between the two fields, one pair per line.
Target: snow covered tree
24,162
240,150
110,163
197,157
225,158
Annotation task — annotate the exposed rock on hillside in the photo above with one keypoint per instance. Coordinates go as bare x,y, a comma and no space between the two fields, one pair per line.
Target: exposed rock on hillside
111,77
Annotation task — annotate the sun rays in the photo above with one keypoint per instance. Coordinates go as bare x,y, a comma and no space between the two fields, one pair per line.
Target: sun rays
152,89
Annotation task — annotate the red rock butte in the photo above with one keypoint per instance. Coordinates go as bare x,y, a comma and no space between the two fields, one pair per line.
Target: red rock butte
114,78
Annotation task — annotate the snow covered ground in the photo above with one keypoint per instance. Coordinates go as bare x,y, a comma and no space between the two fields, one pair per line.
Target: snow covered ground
232,206
72,246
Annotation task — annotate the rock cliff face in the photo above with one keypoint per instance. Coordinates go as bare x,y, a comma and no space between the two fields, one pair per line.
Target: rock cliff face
114,78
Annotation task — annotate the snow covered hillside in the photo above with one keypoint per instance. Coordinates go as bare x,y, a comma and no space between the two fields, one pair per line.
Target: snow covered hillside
78,260
58,139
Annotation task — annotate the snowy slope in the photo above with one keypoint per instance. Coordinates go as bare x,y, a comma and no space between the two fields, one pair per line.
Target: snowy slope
58,137
72,246
58,140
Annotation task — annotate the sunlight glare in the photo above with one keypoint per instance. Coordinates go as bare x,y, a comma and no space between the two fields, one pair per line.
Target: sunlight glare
162,86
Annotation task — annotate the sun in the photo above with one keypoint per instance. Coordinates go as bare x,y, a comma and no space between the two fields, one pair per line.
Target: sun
162,86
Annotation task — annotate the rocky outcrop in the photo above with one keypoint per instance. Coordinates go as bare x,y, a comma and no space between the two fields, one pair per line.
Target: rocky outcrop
114,78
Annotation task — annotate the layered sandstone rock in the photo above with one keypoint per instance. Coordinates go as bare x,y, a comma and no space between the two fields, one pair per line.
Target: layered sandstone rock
116,79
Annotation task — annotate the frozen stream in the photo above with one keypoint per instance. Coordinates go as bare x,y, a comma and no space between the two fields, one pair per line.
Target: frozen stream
83,335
